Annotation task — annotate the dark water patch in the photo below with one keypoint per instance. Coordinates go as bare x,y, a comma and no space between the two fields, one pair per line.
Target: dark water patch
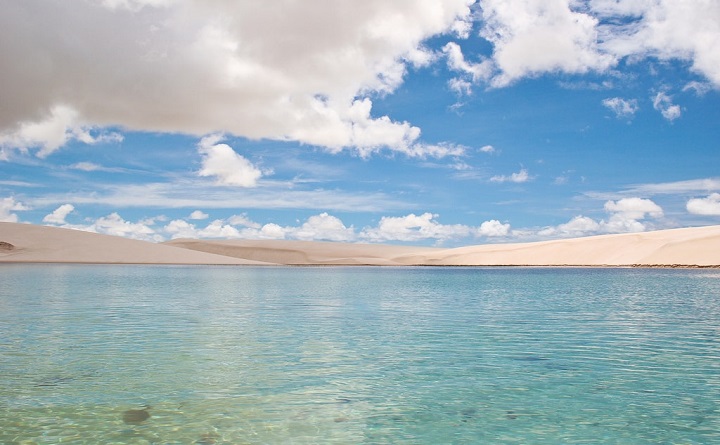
136,416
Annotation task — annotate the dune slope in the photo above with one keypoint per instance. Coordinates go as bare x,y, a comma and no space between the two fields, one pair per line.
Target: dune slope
26,243
687,247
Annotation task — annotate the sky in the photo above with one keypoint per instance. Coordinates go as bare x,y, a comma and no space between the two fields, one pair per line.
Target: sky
424,122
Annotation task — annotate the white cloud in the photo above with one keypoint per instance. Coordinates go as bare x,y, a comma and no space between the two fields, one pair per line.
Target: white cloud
301,71
493,228
537,36
228,167
621,107
244,221
533,37
634,208
413,228
198,214
475,72
85,166
324,227
488,149
114,224
52,132
625,215
58,215
667,29
8,206
700,88
519,177
692,185
461,87
705,206
663,103
179,228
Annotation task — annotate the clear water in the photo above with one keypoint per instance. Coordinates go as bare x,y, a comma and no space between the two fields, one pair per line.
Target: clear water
228,355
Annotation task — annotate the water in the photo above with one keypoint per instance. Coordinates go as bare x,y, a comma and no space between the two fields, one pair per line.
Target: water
228,355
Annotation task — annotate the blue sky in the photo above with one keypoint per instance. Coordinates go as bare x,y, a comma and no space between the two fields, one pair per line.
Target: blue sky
420,122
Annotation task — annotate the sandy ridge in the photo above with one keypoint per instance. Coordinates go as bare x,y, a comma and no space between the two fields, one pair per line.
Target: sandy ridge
686,247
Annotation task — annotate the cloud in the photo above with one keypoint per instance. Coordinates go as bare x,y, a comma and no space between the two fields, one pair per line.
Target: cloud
531,37
493,228
323,227
243,220
9,205
705,206
58,215
534,37
52,132
474,72
198,214
228,167
663,103
86,166
692,185
416,228
488,149
578,226
114,224
666,29
300,71
634,208
519,177
621,107
625,215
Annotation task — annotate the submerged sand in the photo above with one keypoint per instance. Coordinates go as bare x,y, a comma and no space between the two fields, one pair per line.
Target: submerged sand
686,247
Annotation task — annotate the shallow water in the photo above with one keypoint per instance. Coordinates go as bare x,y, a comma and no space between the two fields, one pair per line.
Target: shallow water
241,355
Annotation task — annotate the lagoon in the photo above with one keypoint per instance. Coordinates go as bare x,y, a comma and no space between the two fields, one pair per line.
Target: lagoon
268,355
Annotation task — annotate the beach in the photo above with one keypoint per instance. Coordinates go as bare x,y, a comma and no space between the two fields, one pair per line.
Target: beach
685,247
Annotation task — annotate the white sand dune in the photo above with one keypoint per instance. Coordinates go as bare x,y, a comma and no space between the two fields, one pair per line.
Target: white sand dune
308,252
27,243
687,247
697,246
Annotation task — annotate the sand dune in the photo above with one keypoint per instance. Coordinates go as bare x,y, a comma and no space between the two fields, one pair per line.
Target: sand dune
27,243
308,252
687,247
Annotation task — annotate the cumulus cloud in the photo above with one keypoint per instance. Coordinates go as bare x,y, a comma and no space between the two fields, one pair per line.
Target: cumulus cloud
531,37
488,149
705,206
666,29
413,228
8,206
324,227
51,132
663,103
474,72
244,221
621,107
301,71
228,167
519,177
625,215
493,228
114,224
198,214
634,208
58,215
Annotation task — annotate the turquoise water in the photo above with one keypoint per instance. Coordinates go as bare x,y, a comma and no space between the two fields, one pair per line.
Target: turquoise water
227,355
